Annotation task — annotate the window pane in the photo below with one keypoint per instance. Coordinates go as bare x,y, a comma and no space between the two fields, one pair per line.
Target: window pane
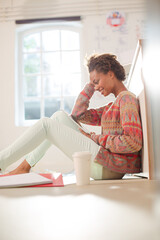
71,61
69,40
31,42
32,86
52,85
31,63
51,105
51,62
72,85
68,103
51,40
32,109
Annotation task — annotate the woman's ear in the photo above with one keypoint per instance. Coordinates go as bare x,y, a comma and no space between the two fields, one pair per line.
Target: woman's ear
111,74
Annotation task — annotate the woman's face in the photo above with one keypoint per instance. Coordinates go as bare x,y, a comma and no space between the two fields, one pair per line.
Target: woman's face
103,82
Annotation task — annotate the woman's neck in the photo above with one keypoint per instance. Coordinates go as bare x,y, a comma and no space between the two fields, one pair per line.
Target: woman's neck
119,88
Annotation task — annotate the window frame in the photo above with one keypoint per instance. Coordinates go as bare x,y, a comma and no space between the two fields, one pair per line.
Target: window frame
21,32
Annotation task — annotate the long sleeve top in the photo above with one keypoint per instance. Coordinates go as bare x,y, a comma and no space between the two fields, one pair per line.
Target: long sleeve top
120,140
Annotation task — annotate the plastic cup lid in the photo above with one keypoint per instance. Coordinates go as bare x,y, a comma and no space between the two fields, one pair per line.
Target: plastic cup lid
82,154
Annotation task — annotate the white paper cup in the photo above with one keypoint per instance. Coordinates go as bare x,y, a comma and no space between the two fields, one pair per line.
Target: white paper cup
82,164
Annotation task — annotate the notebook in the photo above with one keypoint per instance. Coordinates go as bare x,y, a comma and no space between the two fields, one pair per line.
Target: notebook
21,180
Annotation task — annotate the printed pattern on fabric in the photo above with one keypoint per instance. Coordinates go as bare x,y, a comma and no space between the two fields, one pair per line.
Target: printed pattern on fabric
121,131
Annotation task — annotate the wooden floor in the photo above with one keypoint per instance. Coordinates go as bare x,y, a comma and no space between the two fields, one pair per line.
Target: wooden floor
103,210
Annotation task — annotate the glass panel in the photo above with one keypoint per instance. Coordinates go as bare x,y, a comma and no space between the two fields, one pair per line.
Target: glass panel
31,63
32,109
51,40
136,84
52,85
68,103
31,42
69,40
71,61
51,62
51,105
32,86
72,84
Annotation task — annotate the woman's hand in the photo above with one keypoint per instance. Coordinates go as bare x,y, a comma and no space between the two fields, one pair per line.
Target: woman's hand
92,79
86,134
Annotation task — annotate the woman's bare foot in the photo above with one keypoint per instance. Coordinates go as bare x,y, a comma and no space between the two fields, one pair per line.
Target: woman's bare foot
24,167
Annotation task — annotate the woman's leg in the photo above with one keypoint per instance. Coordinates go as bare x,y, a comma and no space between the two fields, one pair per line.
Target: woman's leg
66,138
31,139
34,156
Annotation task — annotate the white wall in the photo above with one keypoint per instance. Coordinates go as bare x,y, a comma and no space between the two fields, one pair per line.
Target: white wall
96,36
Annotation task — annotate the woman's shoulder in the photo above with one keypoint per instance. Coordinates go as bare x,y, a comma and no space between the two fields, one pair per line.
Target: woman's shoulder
126,97
126,93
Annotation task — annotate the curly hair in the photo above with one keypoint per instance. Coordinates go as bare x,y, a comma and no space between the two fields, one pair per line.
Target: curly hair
105,63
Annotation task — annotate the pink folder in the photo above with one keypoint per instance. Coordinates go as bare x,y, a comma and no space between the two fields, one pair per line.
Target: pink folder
57,182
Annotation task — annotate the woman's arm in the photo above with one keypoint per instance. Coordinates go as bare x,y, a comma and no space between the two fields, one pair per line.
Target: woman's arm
131,139
80,112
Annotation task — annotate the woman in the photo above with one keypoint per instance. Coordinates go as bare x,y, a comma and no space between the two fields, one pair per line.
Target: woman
115,151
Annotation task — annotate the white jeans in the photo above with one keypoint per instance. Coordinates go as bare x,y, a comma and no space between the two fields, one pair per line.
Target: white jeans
59,130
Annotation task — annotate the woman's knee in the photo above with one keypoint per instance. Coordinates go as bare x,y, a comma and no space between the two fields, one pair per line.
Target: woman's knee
60,115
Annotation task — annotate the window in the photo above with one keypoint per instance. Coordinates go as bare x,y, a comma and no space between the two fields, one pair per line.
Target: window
49,71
